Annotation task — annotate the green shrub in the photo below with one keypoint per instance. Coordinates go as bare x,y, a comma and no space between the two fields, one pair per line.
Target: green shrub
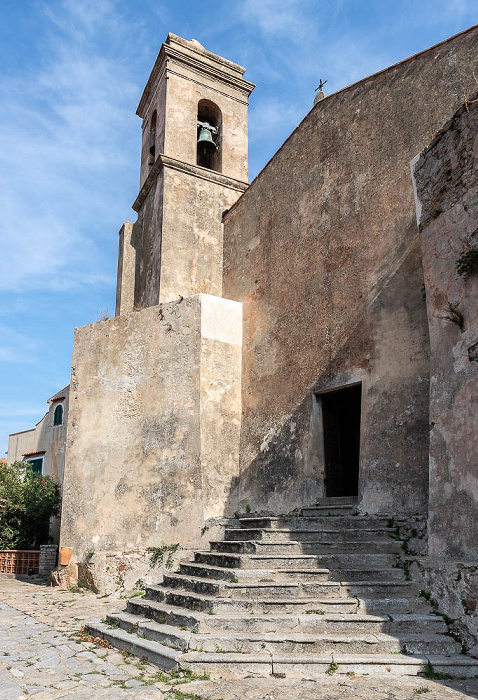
27,502
467,263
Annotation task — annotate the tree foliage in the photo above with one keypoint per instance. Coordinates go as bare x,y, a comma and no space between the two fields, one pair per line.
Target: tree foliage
27,501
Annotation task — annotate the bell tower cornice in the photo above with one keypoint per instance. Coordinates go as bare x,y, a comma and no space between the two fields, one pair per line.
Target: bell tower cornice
163,161
177,54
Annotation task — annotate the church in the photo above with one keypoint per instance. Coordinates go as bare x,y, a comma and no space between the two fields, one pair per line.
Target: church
303,345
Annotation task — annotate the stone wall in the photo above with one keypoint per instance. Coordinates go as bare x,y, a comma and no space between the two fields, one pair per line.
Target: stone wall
153,433
453,589
446,180
323,251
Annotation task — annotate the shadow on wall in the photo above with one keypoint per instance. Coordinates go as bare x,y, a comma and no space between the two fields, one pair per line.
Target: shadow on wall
387,352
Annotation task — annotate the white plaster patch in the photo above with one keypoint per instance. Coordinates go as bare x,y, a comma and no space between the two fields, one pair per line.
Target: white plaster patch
221,319
418,204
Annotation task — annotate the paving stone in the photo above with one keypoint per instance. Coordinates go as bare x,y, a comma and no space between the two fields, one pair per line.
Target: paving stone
34,689
16,673
11,691
66,685
132,683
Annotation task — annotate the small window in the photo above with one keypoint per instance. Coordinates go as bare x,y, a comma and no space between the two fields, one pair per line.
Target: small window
152,138
34,465
58,415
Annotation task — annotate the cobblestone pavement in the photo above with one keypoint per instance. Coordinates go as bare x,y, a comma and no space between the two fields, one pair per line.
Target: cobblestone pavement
43,656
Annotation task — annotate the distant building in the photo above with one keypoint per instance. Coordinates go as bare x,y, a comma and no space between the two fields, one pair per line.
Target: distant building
43,446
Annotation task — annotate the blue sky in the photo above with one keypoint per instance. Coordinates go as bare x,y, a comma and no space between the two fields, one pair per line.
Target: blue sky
72,75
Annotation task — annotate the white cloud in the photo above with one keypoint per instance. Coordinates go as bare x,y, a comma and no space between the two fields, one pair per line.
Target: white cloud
65,129
284,18
21,410
16,346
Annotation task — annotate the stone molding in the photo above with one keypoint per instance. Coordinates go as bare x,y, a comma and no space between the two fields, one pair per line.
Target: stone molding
198,65
163,161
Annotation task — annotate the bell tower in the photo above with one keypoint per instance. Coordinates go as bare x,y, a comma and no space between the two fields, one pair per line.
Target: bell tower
193,167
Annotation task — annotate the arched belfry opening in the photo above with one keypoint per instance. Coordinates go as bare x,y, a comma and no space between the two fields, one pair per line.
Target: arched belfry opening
152,138
209,135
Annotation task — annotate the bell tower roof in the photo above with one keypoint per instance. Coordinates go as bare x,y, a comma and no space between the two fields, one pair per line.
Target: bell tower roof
192,56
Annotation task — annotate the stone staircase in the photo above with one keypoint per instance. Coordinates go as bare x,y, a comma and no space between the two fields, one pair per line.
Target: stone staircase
323,592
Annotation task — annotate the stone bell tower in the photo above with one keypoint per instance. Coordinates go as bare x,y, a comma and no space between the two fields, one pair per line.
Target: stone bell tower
152,453
193,168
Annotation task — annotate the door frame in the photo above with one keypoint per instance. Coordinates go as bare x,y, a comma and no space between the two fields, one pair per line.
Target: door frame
316,463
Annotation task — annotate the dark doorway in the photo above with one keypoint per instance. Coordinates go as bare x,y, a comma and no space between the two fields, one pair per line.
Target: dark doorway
341,416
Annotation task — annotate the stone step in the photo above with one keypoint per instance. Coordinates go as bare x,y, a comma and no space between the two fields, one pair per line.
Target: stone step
336,501
223,641
254,589
291,643
368,574
226,561
380,589
317,665
296,642
395,624
338,522
417,622
156,653
211,604
219,573
393,604
355,560
330,623
171,636
165,613
419,644
300,643
285,589
279,561
309,535
370,546
327,623
329,510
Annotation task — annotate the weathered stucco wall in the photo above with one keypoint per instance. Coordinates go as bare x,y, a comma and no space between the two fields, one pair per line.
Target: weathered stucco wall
192,233
146,240
446,180
323,252
178,235
125,279
153,433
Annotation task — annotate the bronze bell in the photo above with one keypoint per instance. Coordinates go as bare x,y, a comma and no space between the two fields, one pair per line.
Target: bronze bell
205,142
